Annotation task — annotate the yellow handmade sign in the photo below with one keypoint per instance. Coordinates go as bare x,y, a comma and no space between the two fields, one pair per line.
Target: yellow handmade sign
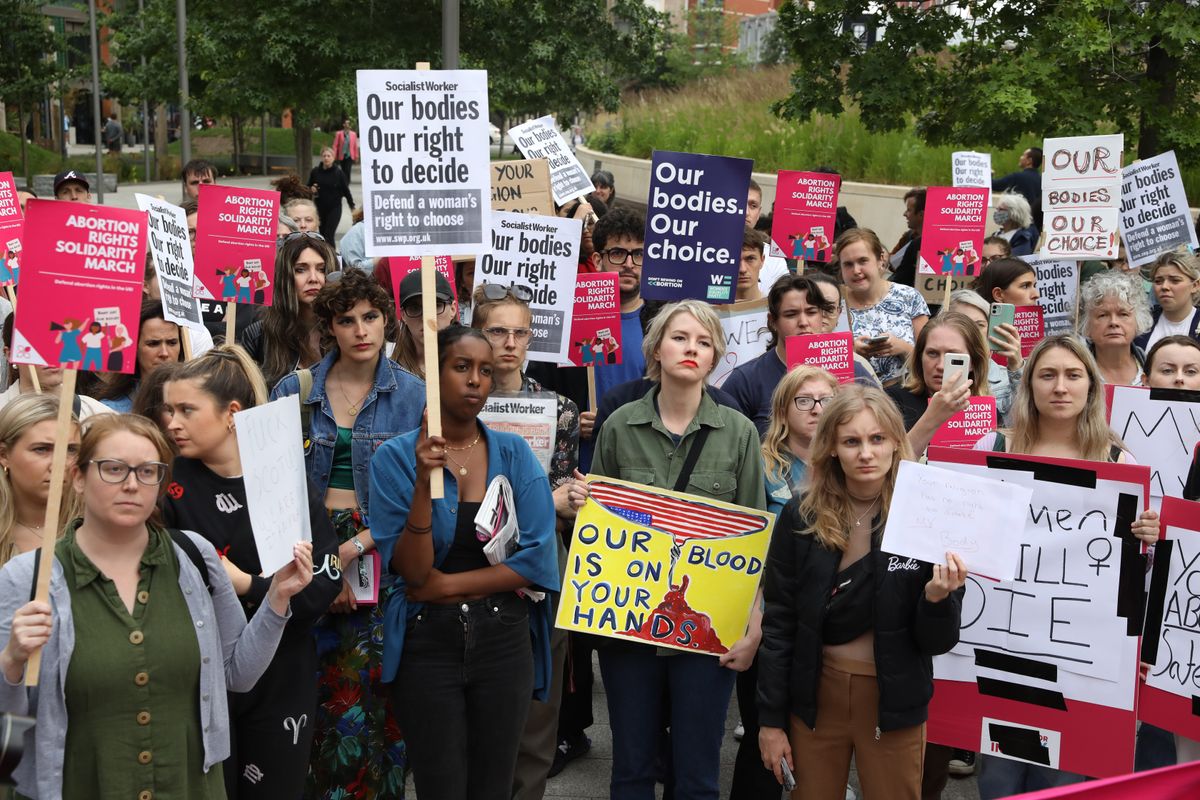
666,568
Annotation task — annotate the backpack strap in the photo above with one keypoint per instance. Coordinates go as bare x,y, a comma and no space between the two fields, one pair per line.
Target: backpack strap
306,382
193,553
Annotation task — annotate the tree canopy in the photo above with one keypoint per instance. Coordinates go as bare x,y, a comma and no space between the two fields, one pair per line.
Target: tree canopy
978,73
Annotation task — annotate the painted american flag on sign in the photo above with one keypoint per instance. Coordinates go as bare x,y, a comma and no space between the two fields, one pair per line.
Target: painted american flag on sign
683,519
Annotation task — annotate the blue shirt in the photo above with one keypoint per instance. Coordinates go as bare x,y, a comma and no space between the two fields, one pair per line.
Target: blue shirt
393,474
633,363
779,492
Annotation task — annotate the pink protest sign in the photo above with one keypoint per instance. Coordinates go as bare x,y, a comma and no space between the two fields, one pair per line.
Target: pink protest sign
11,224
968,426
81,291
805,210
952,237
832,352
596,322
1031,327
1181,782
396,267
235,244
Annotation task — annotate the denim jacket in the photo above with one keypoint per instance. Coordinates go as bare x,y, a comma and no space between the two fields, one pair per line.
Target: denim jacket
392,407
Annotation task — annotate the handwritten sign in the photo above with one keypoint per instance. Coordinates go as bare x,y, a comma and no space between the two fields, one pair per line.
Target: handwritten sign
235,236
425,175
1058,289
1154,211
746,336
1081,195
968,426
172,254
596,323
952,235
11,225
81,286
541,254
272,453
832,352
1054,649
1172,637
540,138
664,568
805,212
1160,427
532,416
522,187
694,226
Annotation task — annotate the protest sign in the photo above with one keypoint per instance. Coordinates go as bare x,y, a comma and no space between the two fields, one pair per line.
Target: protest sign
235,244
695,224
1160,427
81,287
746,336
532,416
1171,642
539,138
972,169
271,448
952,235
522,187
933,287
1168,783
540,254
832,352
426,187
400,266
665,568
805,211
936,511
968,426
1049,658
172,254
1058,288
1081,195
1154,212
596,324
1031,327
11,225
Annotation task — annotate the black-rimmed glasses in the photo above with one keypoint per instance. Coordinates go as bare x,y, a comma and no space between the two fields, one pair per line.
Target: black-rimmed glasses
806,403
616,255
112,470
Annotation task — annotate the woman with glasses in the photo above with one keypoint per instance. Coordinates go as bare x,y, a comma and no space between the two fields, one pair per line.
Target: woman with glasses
409,351
141,638
271,724
355,400
796,408
287,336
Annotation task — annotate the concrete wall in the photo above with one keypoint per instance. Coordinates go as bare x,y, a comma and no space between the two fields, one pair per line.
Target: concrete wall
873,205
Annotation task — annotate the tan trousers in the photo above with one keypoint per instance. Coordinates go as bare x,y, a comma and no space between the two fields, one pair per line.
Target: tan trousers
889,764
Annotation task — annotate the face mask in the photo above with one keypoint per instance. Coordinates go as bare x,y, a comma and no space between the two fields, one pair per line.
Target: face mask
1000,216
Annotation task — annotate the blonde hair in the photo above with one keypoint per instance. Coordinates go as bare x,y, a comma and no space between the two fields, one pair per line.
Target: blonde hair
1094,437
702,313
16,418
105,425
775,452
977,352
827,503
855,235
302,201
1183,261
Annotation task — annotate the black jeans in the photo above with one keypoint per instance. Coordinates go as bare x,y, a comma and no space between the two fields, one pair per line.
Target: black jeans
330,215
347,164
751,780
462,695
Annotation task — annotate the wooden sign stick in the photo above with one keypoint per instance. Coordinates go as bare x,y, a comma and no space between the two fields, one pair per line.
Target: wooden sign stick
230,322
591,378
33,376
50,531
433,388
185,340
946,291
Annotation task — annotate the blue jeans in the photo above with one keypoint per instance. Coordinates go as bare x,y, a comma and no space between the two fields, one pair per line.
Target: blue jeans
1001,777
699,690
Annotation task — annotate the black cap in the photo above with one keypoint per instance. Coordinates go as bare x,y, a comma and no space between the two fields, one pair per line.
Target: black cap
410,287
71,175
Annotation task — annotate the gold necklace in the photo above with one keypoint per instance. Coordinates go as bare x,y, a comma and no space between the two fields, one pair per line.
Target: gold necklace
353,407
462,467
474,442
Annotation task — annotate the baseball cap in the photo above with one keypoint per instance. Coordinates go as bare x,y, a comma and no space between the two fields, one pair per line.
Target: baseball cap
71,175
410,287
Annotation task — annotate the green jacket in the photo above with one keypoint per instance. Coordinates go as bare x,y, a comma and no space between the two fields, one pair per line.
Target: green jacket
635,446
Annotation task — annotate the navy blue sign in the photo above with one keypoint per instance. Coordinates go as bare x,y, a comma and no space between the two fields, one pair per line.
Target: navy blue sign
695,222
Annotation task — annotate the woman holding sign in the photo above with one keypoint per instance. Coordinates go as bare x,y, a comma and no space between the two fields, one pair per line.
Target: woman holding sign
353,401
678,438
272,724
1005,342
141,639
849,632
465,647
884,316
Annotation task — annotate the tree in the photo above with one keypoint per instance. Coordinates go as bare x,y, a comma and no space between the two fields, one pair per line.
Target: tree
985,73
28,64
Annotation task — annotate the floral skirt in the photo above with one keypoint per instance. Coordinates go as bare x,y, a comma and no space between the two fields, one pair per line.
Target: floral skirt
358,749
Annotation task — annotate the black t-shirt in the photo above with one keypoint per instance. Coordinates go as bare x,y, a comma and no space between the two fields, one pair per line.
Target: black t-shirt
911,406
466,551
200,500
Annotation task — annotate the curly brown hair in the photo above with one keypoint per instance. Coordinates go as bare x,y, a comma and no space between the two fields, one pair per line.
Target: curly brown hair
339,296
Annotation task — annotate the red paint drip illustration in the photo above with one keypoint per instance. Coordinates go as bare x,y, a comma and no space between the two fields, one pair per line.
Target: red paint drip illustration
674,622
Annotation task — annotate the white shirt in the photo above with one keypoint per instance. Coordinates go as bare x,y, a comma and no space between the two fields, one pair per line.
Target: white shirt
201,339
1164,328
773,269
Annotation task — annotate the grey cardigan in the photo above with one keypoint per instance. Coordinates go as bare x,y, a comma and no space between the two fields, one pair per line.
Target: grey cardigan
224,637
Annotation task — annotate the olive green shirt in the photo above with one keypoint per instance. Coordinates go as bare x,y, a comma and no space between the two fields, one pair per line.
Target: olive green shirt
132,684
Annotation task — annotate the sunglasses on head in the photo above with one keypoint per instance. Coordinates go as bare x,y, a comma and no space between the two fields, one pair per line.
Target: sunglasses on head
498,291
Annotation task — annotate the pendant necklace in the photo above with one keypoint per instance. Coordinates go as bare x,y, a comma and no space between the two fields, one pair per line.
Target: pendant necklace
462,467
353,407
858,521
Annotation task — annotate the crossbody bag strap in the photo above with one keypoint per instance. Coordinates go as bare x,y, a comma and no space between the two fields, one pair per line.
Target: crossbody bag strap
693,456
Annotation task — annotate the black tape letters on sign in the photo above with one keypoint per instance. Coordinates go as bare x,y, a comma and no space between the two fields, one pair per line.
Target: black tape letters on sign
1018,665
1071,476
1022,743
1034,695
1156,599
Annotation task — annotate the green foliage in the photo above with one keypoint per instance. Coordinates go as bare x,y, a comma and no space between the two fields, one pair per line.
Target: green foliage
978,73
26,62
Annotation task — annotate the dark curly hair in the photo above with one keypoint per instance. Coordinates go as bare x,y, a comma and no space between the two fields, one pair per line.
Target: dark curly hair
339,296
616,223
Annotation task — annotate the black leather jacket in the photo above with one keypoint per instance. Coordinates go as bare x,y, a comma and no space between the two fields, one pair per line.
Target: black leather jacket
909,630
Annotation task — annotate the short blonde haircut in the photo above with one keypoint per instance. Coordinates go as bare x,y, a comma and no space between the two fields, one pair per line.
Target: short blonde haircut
702,313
